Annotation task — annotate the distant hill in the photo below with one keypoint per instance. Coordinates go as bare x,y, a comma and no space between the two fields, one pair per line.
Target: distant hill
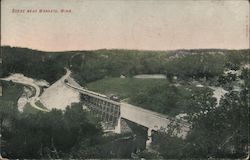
89,66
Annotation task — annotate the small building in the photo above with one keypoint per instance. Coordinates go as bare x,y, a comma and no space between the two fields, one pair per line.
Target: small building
122,76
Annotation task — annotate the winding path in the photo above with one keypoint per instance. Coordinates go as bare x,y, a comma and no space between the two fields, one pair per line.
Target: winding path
25,82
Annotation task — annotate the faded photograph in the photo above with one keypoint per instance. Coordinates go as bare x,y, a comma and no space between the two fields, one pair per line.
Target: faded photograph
117,79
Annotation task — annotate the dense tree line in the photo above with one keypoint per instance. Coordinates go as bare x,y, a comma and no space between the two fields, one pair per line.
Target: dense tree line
47,135
93,65
172,100
32,63
73,133
216,132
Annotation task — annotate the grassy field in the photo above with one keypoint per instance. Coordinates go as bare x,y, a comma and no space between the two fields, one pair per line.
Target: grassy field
124,87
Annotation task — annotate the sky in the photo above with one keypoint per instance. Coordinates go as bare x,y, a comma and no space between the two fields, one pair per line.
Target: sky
120,24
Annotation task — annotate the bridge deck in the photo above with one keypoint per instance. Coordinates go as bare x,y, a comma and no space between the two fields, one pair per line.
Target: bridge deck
144,117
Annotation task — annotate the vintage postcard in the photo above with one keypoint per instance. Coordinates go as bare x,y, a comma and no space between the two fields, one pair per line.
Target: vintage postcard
124,79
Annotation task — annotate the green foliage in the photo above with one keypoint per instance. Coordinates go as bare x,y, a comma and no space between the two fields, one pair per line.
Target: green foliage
245,76
197,66
145,154
114,146
30,109
69,134
89,66
217,132
11,93
169,147
237,57
221,131
8,101
8,108
172,100
117,146
50,135
32,63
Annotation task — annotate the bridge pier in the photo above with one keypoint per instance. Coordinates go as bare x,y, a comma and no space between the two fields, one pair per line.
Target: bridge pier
118,126
149,140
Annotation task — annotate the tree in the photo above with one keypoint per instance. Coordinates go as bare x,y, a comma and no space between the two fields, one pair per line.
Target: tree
220,132
50,135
